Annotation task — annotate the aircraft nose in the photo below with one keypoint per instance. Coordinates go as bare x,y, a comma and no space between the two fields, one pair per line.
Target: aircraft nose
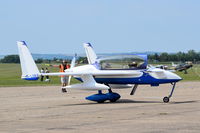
173,76
176,77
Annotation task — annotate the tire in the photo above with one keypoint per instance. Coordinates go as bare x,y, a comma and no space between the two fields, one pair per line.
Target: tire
166,99
112,101
100,101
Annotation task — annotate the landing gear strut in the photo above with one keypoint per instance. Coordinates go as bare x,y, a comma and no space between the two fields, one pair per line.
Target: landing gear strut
166,99
134,89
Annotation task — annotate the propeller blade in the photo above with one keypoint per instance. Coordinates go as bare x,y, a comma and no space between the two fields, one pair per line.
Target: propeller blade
73,63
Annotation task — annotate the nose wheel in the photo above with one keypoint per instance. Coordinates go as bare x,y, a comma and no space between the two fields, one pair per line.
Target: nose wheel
166,99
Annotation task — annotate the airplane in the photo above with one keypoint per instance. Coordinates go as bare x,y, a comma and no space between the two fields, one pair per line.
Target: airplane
162,67
165,67
183,67
174,65
120,71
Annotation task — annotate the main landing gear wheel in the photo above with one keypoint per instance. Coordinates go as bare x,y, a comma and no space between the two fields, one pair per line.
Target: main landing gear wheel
100,97
112,101
100,101
112,96
166,99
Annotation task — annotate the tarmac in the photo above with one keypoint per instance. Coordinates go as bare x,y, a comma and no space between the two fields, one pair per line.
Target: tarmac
44,109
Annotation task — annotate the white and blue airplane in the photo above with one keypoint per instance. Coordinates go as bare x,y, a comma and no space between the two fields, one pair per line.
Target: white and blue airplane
107,73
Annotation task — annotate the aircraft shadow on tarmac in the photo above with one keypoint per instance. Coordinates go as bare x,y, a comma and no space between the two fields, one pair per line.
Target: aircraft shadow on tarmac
122,101
183,102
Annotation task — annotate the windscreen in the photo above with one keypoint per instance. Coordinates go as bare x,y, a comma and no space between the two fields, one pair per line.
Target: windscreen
132,62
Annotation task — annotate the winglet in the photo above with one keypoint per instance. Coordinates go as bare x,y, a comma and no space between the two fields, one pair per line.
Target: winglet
91,55
28,66
22,43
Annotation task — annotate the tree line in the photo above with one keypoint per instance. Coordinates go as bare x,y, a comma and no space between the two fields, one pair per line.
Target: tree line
15,59
191,55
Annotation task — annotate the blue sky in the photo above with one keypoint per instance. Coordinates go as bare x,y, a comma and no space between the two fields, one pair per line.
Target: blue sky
61,26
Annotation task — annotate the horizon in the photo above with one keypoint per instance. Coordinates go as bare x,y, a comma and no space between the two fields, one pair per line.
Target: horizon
81,54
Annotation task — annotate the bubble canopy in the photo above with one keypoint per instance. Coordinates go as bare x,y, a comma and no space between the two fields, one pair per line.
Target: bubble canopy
123,62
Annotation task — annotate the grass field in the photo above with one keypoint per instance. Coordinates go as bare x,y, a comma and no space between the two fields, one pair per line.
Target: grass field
10,75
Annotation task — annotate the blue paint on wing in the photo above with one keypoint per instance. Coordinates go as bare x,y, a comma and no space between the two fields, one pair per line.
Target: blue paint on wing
24,43
31,77
89,44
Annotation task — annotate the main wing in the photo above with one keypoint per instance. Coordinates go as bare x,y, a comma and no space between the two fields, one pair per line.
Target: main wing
95,73
88,80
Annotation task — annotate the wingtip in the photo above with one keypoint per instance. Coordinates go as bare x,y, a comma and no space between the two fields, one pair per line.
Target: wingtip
87,44
22,43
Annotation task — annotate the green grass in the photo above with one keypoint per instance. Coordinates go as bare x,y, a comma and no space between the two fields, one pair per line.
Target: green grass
10,75
193,74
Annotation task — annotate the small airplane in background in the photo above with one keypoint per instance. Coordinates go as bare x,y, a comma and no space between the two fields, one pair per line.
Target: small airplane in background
122,71
176,67
182,67
165,67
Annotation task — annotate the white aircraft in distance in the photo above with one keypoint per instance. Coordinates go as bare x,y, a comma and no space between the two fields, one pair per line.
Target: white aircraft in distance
123,71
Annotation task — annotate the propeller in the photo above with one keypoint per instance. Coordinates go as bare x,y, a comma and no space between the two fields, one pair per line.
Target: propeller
73,63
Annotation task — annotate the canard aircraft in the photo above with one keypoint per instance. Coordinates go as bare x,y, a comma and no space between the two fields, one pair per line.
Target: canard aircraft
106,73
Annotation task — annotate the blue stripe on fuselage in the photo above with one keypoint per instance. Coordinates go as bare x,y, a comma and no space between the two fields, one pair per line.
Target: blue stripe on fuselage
144,79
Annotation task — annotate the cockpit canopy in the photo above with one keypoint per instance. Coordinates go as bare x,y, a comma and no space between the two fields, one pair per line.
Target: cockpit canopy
126,62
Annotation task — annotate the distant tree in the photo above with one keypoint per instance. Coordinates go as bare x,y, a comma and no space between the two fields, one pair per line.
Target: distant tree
156,56
192,55
164,57
173,57
82,60
55,59
10,59
40,60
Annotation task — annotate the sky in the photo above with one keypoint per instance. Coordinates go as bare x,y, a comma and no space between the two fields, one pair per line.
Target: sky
111,26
